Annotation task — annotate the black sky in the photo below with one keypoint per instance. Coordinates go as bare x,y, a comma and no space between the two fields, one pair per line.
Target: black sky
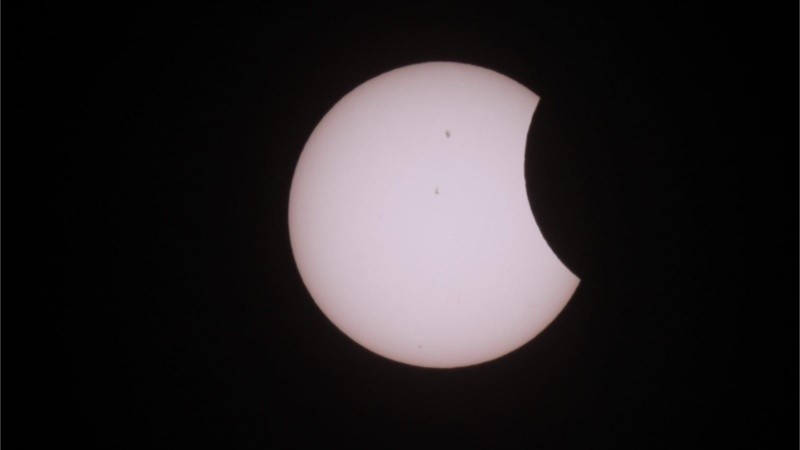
150,298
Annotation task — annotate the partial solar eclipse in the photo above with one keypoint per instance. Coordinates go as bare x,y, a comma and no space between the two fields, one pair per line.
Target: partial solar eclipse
410,222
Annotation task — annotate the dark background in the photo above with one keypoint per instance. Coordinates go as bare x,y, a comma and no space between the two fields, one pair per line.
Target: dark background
150,298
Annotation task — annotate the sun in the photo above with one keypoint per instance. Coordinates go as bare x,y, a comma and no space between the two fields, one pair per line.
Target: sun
410,223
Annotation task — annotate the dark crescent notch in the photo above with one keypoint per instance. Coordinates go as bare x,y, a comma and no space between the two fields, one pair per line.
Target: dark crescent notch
555,190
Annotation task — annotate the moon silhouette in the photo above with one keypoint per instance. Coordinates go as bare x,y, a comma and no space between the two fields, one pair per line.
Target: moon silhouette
409,219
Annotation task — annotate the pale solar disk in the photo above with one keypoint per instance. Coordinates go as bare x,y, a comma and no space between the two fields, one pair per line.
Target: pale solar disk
410,223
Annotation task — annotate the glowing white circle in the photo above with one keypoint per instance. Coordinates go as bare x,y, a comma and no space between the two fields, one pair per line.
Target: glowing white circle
410,223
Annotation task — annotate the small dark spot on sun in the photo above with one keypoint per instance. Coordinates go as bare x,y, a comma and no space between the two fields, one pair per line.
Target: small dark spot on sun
447,133
419,346
436,191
